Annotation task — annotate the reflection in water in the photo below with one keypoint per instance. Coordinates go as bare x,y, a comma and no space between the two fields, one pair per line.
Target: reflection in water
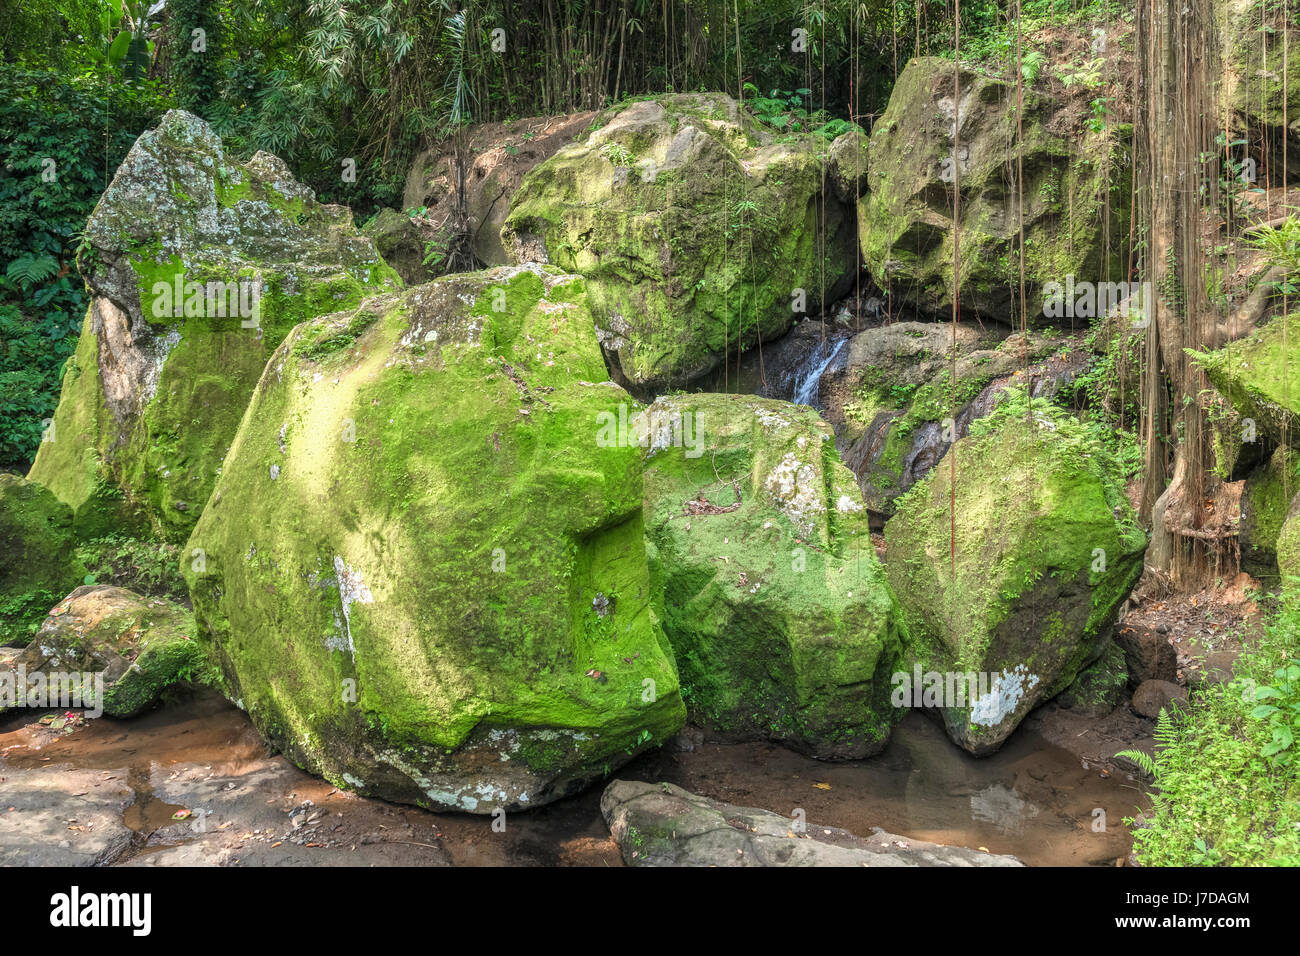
1001,807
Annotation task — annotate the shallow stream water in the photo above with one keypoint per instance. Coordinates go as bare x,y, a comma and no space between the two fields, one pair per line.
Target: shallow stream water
1031,799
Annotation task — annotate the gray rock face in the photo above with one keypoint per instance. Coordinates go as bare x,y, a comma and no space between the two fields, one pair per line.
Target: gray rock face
888,394
1153,696
664,825
697,231
1148,655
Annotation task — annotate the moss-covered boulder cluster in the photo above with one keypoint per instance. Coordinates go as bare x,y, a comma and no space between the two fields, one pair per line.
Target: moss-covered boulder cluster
441,554
197,266
773,598
930,141
698,232
1011,563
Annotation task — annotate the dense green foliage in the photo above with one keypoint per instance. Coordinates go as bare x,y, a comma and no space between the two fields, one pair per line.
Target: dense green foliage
61,138
1227,790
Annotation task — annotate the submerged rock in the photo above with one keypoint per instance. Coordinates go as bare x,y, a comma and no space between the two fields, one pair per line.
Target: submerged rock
197,267
1046,549
443,596
906,218
38,561
773,599
660,824
138,646
698,233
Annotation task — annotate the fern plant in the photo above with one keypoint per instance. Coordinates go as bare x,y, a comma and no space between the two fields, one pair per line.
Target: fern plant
1146,763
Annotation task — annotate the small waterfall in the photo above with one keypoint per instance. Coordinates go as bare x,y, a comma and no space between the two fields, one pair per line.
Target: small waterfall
805,390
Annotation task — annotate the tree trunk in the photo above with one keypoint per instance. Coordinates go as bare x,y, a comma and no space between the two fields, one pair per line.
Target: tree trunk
1178,63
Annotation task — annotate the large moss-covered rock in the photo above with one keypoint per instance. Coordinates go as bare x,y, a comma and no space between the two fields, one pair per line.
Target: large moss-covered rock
1263,78
424,574
891,399
197,266
1046,548
1260,376
1288,550
696,231
138,646
773,598
1265,498
38,562
906,219
398,239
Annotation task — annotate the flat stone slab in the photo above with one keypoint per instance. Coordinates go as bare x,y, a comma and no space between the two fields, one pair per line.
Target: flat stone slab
659,824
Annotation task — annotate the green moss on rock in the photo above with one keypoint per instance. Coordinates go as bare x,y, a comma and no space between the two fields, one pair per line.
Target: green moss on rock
1265,500
905,216
1045,550
198,267
1099,687
1260,376
139,646
38,562
425,576
693,228
772,596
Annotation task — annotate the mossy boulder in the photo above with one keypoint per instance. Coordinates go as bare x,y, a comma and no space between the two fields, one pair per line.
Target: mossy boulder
1265,498
697,231
772,596
895,410
1260,376
1288,549
1263,79
38,562
1046,549
906,218
197,267
424,574
398,239
1100,686
139,646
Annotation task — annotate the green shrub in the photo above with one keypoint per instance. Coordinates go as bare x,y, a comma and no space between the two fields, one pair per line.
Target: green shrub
60,138
1227,767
